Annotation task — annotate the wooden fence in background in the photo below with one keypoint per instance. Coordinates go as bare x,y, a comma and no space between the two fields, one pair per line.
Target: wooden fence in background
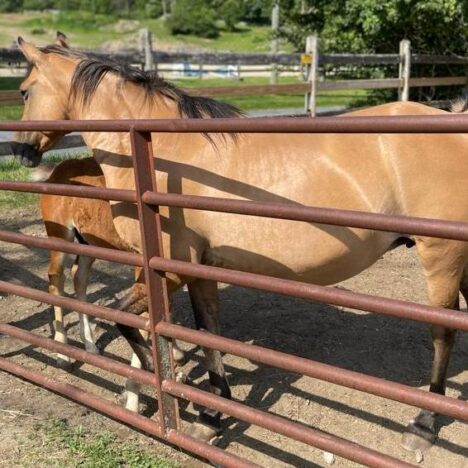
310,61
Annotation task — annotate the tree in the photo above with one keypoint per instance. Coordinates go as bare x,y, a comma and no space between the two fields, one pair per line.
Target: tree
258,11
38,4
432,26
230,11
10,6
376,26
193,17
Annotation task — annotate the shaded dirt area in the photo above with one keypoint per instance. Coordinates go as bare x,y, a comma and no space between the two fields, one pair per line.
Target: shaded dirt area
369,343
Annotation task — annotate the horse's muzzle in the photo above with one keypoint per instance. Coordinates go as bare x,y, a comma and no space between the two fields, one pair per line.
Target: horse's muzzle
26,154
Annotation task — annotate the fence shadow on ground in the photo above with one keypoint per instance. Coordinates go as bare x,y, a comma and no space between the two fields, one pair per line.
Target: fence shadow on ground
389,348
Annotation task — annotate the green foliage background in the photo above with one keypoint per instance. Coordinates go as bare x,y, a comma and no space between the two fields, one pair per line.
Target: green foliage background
347,26
432,26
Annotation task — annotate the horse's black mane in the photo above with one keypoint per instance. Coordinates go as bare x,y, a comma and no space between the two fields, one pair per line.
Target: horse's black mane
91,69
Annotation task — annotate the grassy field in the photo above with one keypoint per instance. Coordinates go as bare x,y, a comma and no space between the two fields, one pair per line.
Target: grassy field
346,98
11,170
87,30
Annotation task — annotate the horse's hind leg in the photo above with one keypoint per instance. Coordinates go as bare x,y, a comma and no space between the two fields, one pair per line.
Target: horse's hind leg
80,274
443,263
204,298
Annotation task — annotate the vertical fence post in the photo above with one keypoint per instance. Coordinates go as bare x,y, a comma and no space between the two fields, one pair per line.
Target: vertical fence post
158,301
146,45
404,69
274,42
238,71
312,49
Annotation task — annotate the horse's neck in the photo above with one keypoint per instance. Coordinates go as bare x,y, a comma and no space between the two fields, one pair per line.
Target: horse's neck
112,151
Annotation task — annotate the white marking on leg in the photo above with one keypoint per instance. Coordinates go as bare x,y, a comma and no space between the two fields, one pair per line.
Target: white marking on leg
87,335
80,273
132,388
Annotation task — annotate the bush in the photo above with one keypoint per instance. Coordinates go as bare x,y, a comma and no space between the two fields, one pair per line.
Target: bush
8,6
193,17
148,8
231,12
38,4
38,31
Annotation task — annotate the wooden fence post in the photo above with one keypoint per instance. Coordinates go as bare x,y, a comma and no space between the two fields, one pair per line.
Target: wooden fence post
274,42
146,41
404,69
312,48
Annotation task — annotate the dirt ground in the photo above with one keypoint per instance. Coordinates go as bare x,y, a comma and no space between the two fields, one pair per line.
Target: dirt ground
373,344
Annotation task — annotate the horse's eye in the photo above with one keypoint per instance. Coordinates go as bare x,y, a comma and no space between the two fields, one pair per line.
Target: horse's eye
25,94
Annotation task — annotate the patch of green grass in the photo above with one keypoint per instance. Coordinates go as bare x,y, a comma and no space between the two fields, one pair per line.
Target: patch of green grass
84,28
70,21
78,447
252,80
276,101
11,112
89,30
8,112
292,101
10,169
244,39
8,83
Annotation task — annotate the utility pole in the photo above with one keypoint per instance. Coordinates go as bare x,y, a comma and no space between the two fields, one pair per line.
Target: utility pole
274,41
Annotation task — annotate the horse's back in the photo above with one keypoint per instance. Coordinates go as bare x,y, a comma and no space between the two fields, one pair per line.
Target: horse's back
84,171
398,108
92,218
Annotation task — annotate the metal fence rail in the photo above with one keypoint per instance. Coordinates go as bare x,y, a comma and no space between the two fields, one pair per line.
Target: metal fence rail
148,200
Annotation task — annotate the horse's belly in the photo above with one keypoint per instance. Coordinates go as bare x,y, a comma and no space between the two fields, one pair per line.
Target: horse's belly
294,250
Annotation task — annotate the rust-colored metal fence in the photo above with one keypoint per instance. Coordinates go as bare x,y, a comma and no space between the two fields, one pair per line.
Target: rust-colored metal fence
167,423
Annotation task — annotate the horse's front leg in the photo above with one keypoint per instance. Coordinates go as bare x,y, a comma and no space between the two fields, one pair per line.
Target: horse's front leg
204,298
443,275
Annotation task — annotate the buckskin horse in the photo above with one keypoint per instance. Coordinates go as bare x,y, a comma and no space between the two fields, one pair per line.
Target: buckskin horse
417,175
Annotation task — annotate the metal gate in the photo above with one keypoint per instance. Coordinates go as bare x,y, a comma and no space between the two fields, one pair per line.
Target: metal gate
167,423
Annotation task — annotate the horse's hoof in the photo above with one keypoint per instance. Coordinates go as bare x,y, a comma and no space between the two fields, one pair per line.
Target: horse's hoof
180,357
419,435
121,398
181,377
92,348
205,433
64,363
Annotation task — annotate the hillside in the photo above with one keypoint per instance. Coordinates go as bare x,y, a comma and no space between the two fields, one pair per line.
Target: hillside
89,31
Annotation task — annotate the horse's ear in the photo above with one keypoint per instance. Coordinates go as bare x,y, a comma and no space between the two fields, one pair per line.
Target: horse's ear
61,40
32,53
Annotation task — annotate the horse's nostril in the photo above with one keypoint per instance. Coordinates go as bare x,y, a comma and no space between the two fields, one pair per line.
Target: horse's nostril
26,154
14,147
